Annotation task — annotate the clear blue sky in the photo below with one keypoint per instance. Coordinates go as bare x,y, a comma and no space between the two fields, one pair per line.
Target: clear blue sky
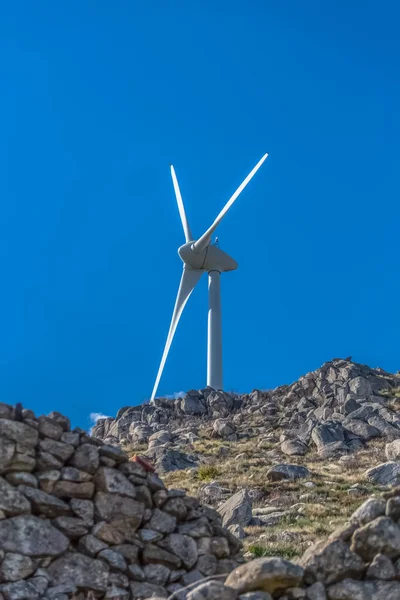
98,97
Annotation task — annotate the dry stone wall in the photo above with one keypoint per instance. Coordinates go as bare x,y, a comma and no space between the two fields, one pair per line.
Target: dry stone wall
78,518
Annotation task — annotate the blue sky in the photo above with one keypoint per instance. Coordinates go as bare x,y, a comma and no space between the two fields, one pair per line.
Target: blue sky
96,100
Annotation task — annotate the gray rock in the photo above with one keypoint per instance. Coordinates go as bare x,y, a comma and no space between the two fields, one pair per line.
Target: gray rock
392,450
24,589
167,459
381,568
256,596
113,482
58,449
45,504
316,591
212,590
265,574
183,547
22,478
84,509
147,590
71,526
70,489
364,590
293,447
114,559
370,510
237,510
111,507
207,564
330,562
381,536
72,474
193,404
361,429
155,555
162,522
12,502
91,545
81,570
225,429
284,471
384,474
157,574
16,566
86,458
18,432
31,536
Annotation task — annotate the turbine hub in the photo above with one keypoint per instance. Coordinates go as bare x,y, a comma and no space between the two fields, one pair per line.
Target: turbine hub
210,259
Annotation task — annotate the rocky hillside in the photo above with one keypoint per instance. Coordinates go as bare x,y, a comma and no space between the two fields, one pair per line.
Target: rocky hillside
300,457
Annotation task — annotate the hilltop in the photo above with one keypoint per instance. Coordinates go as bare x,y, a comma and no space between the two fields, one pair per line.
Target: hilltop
302,455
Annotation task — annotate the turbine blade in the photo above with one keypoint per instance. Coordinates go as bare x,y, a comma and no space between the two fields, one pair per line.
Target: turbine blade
205,239
185,223
188,282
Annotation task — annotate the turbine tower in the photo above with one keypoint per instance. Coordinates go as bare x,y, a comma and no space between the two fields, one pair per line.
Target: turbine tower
200,256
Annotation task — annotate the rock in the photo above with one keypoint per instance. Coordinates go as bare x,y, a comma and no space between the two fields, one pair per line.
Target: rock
84,509
370,510
392,450
24,589
153,555
45,504
381,568
237,530
168,460
114,482
12,502
91,545
265,574
72,474
58,449
384,474
113,507
70,489
329,439
225,429
316,591
182,546
237,510
330,562
71,526
361,429
210,591
293,447
31,536
18,432
86,458
162,522
284,471
380,536
364,590
193,404
22,478
147,590
114,559
83,571
16,566
157,574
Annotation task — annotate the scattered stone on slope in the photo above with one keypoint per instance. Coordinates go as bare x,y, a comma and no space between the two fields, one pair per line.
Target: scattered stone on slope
384,474
237,510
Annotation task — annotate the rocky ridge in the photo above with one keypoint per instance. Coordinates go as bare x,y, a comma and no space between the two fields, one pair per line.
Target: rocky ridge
336,410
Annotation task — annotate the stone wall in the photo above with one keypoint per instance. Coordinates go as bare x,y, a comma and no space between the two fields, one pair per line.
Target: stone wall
77,517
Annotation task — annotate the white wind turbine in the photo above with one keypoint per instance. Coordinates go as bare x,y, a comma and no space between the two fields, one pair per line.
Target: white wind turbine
200,256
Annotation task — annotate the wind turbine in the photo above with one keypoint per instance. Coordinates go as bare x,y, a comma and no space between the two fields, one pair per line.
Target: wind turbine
200,256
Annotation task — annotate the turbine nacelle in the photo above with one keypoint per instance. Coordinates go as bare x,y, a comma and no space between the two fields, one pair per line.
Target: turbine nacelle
210,259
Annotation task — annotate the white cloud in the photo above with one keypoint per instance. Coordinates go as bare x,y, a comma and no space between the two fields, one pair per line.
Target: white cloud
94,417
176,395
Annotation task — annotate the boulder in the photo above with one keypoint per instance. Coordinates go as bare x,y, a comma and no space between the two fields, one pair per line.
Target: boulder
285,471
384,474
237,510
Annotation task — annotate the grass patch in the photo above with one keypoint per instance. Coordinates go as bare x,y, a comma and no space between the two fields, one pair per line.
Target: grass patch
207,472
287,551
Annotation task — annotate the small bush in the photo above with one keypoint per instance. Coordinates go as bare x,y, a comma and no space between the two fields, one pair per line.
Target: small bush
207,472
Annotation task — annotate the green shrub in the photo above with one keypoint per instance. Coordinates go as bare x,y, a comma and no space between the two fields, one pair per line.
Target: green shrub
207,472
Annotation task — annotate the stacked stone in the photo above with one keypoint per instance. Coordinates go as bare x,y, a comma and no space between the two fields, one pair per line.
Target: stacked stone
78,518
360,561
